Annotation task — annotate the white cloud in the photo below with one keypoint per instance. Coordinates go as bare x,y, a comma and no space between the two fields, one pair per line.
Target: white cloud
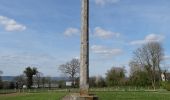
103,2
11,24
97,32
71,31
104,34
149,38
99,49
76,57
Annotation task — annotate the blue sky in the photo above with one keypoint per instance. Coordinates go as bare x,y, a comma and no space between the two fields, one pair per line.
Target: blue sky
46,33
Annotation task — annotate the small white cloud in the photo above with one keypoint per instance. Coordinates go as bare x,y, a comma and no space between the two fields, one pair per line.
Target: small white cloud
76,57
11,24
71,31
154,37
103,2
98,49
149,38
104,34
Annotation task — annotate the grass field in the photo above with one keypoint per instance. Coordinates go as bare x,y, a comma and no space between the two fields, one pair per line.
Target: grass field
33,96
102,96
134,95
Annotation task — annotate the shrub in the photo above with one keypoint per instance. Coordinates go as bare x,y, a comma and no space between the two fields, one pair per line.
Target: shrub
166,85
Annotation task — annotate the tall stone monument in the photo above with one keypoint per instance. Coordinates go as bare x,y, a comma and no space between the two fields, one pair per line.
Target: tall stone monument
84,58
84,55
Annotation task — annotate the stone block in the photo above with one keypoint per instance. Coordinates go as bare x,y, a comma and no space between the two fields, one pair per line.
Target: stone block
77,96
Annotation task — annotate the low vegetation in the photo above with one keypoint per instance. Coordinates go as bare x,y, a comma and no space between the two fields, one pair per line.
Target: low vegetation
33,96
101,95
133,95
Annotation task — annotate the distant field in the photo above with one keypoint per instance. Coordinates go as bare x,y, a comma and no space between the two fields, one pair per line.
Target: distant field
102,96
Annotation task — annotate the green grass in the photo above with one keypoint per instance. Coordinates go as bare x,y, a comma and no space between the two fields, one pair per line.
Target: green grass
101,95
33,96
133,95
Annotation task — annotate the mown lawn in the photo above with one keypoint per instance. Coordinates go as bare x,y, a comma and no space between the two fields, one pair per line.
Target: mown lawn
134,95
33,96
101,95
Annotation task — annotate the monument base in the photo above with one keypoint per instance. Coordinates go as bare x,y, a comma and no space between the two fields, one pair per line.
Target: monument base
77,96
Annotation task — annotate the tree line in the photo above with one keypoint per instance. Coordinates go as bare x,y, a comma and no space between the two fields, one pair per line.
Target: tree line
145,70
31,78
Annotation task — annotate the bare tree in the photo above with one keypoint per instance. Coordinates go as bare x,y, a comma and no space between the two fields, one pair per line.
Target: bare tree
49,80
150,56
135,67
38,78
20,81
71,69
43,81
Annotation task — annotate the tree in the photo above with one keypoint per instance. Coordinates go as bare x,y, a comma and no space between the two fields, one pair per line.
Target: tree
20,81
135,67
92,82
138,75
44,81
49,80
71,69
150,56
38,78
1,83
97,81
0,74
61,84
115,76
29,72
140,78
100,81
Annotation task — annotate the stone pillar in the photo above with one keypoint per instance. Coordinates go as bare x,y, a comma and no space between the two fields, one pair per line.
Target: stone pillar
84,56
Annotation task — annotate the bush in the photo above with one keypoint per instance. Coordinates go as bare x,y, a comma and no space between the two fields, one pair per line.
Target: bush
166,85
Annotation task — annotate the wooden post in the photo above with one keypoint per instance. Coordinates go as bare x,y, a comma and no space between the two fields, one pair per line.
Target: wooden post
84,56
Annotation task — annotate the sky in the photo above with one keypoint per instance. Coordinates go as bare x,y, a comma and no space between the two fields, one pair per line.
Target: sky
46,33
